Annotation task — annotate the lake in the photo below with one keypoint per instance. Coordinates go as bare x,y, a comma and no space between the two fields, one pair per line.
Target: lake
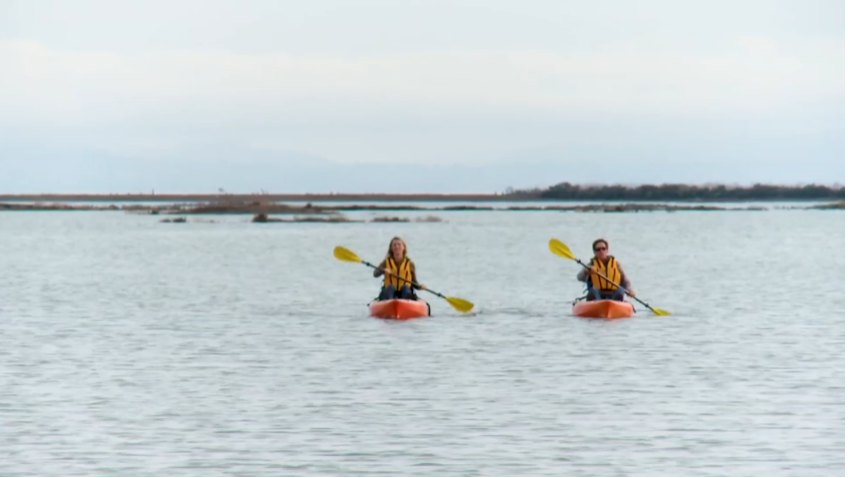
133,347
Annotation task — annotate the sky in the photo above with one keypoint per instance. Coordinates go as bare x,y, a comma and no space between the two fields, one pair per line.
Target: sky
418,96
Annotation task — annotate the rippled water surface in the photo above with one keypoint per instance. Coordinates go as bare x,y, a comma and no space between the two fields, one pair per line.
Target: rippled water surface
133,347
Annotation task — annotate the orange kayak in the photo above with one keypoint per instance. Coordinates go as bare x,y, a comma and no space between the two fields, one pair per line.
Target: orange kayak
399,309
603,309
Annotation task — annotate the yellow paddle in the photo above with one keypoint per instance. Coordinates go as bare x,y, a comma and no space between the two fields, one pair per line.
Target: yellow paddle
347,255
557,247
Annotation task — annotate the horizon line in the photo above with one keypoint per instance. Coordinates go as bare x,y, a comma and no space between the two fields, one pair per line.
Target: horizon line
565,193
509,191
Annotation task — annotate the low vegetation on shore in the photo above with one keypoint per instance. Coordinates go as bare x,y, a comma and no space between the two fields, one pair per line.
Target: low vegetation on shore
832,205
406,219
264,218
682,192
311,213
564,191
645,198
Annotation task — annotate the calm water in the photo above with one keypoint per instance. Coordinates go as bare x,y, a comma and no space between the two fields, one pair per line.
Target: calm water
131,347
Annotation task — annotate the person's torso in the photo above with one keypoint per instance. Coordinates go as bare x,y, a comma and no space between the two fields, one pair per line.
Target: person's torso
404,270
608,268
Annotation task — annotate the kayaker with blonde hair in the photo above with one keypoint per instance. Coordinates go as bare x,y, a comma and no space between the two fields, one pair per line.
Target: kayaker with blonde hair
395,264
608,265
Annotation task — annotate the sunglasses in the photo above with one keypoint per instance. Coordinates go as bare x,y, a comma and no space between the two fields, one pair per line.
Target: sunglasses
600,249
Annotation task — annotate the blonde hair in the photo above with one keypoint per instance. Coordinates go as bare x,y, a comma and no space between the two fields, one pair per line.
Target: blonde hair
396,238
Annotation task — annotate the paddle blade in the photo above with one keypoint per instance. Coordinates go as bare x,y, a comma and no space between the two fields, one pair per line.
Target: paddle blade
344,254
660,311
557,247
459,304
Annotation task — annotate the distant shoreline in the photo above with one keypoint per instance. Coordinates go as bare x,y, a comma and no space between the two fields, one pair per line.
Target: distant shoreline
519,197
275,197
263,206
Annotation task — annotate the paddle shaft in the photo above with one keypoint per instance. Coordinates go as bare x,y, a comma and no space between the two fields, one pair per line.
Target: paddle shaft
611,281
405,280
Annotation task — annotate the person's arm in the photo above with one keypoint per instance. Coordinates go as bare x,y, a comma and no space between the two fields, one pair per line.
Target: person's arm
379,270
625,282
415,284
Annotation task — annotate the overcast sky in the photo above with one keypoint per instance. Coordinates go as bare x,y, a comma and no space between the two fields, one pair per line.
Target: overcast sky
620,90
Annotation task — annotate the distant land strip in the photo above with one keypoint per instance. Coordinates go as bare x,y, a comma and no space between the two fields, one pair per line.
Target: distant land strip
558,192
264,207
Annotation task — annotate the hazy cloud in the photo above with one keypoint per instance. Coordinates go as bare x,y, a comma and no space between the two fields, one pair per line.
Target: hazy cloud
662,83
752,73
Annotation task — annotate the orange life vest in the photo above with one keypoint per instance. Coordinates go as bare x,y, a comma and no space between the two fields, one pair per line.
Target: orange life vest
610,269
403,270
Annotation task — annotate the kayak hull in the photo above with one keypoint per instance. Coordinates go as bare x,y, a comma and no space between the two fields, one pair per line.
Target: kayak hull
603,309
399,309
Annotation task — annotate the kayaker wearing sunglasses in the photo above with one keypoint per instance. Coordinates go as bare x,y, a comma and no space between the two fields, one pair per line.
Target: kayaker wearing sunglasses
398,264
600,288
